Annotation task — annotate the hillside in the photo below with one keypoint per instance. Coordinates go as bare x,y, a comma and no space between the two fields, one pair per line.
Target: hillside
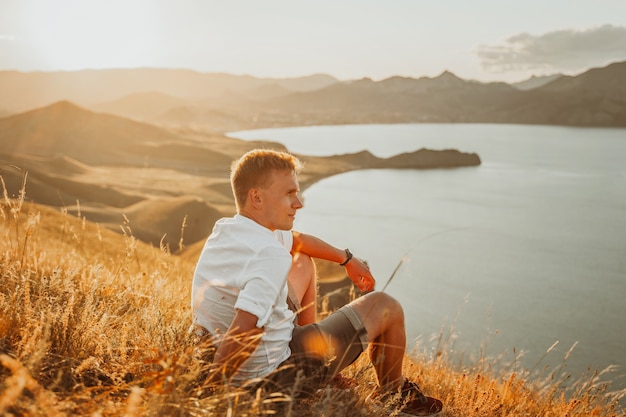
96,323
107,167
66,129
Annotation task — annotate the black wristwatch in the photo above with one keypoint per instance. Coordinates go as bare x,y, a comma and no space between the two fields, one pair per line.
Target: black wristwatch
348,257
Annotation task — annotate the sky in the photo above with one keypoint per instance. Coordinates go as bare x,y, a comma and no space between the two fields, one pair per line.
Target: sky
484,40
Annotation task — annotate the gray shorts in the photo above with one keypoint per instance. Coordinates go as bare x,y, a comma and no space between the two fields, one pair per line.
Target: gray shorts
319,351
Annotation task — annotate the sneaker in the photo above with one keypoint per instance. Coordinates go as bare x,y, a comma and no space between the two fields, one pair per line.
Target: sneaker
415,403
411,399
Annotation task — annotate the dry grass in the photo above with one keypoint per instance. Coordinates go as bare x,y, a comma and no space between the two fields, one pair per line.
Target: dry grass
95,323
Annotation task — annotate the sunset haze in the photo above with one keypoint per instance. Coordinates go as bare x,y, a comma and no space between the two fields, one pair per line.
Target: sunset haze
482,40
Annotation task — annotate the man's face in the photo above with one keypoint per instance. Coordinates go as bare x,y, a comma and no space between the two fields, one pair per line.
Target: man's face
280,200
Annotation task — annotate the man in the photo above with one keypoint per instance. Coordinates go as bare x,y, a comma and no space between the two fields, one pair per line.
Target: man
254,267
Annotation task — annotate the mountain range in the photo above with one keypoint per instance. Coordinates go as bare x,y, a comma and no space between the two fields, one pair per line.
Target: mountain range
594,98
225,102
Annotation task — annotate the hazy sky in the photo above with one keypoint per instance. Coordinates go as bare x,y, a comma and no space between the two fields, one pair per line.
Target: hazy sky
475,39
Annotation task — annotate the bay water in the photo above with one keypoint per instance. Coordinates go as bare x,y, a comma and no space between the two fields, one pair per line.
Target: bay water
506,259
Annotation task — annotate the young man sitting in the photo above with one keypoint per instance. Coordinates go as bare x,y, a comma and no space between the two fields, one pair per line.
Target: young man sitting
254,266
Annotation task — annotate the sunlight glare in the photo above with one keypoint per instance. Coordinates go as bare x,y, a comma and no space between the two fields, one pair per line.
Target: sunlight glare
78,34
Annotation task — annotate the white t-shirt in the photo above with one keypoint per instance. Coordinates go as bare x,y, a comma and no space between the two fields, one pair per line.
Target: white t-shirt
244,266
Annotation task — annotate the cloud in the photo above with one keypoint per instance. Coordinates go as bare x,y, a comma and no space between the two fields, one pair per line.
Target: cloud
558,51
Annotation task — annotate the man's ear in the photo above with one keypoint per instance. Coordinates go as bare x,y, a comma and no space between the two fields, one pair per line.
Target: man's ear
254,196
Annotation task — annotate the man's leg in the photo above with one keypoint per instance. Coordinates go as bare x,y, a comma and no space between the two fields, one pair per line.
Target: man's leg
303,284
381,314
383,318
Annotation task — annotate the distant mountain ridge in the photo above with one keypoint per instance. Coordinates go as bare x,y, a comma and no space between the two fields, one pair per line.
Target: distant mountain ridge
23,91
609,82
535,82
445,98
595,98
223,102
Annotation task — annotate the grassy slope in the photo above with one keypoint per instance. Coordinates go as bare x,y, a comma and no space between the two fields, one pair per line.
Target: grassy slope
95,323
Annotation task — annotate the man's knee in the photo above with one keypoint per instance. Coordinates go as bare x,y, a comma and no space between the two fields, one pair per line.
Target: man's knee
379,306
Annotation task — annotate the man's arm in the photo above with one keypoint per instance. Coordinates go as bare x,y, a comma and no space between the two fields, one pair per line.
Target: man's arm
315,247
240,341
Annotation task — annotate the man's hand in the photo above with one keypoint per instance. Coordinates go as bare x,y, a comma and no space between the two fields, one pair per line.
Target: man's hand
360,274
240,341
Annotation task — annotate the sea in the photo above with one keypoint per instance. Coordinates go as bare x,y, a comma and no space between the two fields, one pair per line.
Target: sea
521,259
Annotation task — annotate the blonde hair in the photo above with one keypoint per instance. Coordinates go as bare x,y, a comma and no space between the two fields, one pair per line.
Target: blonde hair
253,170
